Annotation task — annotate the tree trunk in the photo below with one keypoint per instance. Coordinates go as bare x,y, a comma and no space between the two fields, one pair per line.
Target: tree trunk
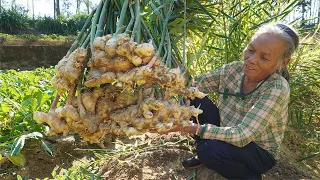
78,7
87,3
32,9
58,8
54,9
13,4
318,22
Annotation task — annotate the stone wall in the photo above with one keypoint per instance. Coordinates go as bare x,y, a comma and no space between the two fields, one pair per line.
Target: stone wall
30,56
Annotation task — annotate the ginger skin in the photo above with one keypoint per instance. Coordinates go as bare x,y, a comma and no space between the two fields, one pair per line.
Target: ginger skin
123,89
51,118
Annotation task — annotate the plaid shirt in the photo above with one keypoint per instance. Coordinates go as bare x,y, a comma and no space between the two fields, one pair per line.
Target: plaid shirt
259,116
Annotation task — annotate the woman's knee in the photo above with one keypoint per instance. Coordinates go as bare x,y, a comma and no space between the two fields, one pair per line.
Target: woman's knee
209,151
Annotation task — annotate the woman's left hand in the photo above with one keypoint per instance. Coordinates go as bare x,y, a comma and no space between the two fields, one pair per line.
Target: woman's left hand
189,129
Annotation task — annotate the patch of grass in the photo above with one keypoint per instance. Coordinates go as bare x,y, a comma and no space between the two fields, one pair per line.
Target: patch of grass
34,37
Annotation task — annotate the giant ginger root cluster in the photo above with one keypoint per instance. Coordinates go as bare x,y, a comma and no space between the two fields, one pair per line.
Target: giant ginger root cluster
124,90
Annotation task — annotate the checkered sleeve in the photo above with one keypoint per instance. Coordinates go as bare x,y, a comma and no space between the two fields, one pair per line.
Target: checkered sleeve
209,82
267,109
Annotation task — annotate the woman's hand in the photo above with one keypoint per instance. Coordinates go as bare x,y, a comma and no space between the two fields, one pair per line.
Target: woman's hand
192,129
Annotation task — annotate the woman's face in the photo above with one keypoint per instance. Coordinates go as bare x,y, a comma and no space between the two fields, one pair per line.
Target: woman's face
262,56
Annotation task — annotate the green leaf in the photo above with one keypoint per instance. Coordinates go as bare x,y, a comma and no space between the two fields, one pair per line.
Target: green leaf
177,25
20,127
19,177
18,160
34,135
17,146
30,104
44,145
14,93
310,156
39,96
204,9
54,174
175,22
5,108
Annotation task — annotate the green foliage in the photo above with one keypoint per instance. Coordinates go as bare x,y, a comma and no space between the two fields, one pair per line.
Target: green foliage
34,37
22,93
19,159
15,22
61,25
12,21
227,30
49,25
19,143
82,170
304,108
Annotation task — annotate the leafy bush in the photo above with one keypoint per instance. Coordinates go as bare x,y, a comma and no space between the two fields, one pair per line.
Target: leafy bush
48,25
21,93
305,92
12,21
62,25
75,23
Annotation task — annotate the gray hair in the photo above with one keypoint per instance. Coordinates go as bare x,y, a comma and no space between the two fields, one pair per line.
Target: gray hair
284,32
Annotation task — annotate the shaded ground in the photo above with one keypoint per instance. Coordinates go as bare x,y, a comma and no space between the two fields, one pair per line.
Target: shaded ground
147,157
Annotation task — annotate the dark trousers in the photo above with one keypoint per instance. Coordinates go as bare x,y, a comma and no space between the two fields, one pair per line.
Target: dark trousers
230,161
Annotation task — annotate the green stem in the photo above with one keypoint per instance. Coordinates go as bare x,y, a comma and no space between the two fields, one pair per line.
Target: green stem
136,28
122,16
101,24
184,31
86,42
176,50
148,32
94,23
107,29
169,60
144,36
131,21
85,26
164,57
85,37
164,27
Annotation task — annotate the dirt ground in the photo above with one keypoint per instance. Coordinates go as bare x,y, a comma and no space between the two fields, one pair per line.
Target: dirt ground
149,156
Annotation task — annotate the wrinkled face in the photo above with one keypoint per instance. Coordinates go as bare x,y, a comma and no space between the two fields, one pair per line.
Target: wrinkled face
262,56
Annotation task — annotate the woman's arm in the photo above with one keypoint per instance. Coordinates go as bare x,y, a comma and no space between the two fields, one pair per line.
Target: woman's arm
266,110
210,82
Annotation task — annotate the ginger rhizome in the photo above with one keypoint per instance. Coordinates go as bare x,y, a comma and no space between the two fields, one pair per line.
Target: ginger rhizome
125,90
68,70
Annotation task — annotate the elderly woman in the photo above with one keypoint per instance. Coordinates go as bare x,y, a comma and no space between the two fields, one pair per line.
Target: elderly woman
240,140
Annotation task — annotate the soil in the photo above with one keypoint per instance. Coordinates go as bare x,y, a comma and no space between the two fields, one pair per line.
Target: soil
149,156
